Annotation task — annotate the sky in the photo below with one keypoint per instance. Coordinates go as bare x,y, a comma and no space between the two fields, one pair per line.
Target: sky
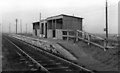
28,11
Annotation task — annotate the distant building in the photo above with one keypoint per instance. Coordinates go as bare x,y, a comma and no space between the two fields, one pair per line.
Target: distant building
40,29
36,28
57,26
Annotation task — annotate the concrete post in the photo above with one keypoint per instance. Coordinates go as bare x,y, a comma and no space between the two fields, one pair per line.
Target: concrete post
44,29
9,27
40,29
55,27
40,26
88,37
51,33
16,25
83,35
52,24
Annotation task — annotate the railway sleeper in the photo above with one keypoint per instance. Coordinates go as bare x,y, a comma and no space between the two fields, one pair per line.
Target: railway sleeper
52,64
53,68
63,71
44,62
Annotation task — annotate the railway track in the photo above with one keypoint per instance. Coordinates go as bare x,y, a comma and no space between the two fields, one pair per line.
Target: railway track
45,61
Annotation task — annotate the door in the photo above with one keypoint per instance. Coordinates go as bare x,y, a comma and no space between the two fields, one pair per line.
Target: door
45,30
54,33
42,28
35,32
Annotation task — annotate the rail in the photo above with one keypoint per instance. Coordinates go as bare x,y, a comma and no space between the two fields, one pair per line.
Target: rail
34,61
63,61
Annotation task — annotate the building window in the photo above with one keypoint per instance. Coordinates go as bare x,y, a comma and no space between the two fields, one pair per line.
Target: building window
64,38
36,26
59,24
72,33
64,32
49,24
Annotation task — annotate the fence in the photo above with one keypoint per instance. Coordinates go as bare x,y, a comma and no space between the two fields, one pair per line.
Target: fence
84,36
68,34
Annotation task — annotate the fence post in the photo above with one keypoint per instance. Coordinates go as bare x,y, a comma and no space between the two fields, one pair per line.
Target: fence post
88,37
105,45
76,36
67,35
83,35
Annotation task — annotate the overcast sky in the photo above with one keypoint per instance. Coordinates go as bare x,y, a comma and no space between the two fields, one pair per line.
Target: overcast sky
93,12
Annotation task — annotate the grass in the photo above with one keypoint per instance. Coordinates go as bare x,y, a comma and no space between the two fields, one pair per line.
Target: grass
109,57
67,50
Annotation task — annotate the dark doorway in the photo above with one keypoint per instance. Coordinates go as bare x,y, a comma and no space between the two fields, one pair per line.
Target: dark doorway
54,33
42,28
45,30
35,32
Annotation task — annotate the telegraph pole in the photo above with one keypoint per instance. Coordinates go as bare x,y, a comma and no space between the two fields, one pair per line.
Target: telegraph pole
16,25
106,9
21,26
26,28
0,28
9,27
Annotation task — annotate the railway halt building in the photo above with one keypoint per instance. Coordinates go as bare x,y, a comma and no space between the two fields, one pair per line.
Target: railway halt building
59,27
